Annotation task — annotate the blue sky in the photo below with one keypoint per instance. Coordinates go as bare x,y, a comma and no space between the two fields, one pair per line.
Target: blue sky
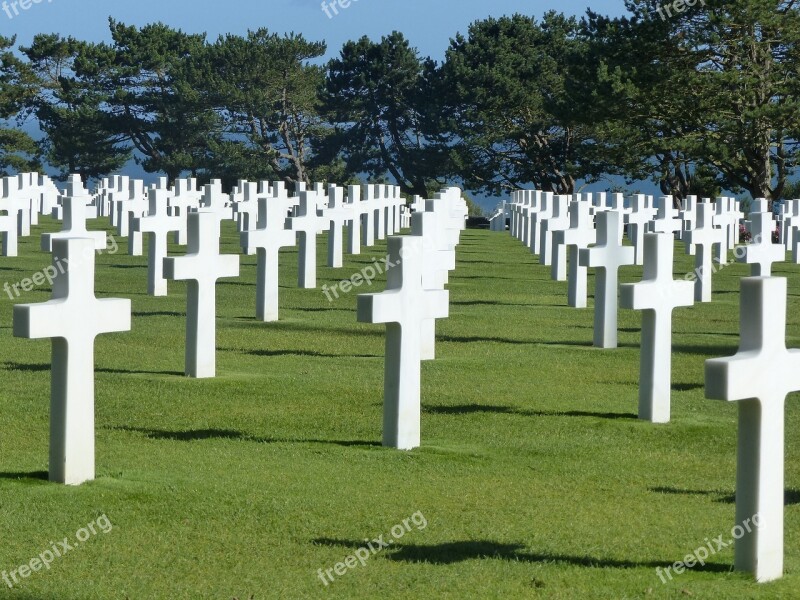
429,24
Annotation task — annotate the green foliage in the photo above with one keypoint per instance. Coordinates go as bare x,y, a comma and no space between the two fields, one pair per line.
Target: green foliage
18,151
267,94
712,87
511,122
382,99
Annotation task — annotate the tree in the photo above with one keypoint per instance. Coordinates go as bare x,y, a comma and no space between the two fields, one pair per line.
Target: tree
511,121
382,99
267,95
727,106
79,135
18,150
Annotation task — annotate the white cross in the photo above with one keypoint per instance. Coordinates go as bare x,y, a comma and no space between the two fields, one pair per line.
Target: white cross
703,237
74,209
666,220
545,211
403,307
581,234
438,261
759,377
354,225
637,221
158,223
557,221
270,235
368,231
216,201
201,267
337,214
306,223
16,204
688,216
73,319
760,253
607,257
657,295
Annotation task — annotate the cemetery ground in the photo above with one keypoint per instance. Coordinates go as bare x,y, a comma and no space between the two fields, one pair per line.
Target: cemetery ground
535,478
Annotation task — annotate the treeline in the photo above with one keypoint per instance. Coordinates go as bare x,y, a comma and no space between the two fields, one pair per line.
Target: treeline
702,101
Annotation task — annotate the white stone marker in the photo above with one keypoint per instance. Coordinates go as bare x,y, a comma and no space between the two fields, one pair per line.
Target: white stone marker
338,213
201,267
403,307
557,221
637,221
15,202
581,234
354,225
759,377
267,239
703,237
545,211
368,223
9,228
74,210
688,216
607,257
306,223
657,295
438,260
666,220
73,319
760,253
158,223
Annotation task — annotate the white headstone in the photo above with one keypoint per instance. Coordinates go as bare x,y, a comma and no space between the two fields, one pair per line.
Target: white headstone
581,234
607,257
761,252
703,237
201,267
758,378
403,307
558,221
267,239
637,221
158,223
73,319
306,223
657,295
338,213
74,207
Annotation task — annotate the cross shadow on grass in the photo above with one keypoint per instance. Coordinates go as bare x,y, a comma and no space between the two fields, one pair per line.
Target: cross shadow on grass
313,353
454,552
31,475
791,496
137,372
466,409
26,367
158,313
195,435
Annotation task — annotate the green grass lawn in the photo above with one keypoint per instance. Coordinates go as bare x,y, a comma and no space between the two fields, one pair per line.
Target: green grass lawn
535,478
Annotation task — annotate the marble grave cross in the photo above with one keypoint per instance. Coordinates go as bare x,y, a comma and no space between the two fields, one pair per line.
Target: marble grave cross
759,378
201,267
403,307
72,319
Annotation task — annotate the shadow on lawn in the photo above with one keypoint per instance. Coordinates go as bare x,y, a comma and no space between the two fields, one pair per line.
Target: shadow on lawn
455,552
790,496
37,475
466,409
298,353
194,435
29,368
158,313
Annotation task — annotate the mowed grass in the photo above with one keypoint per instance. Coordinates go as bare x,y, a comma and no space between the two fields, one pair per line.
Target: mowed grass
535,477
